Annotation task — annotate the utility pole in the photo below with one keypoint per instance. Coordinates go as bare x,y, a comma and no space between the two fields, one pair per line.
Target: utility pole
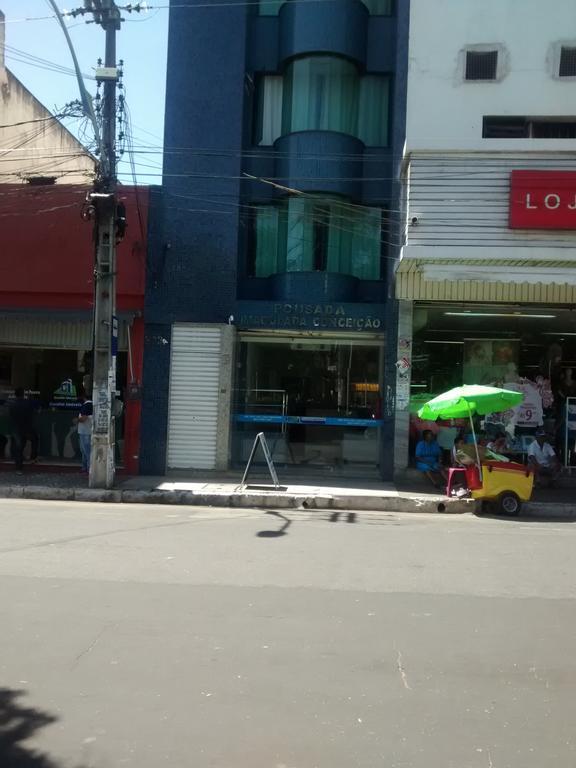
104,202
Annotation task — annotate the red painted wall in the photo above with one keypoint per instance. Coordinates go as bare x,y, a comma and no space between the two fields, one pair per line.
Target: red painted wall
47,250
47,262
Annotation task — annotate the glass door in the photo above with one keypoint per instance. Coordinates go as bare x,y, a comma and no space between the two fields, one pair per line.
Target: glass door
317,400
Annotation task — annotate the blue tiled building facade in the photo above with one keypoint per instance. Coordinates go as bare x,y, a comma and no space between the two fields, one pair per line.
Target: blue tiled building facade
278,217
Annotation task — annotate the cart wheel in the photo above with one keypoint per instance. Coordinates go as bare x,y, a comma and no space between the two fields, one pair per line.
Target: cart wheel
509,504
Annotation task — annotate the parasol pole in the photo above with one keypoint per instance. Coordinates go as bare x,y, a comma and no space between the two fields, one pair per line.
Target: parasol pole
475,441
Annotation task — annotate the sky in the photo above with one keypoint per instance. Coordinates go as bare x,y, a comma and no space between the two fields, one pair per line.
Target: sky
141,43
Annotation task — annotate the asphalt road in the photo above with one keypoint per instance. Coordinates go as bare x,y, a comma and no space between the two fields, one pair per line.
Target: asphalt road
149,636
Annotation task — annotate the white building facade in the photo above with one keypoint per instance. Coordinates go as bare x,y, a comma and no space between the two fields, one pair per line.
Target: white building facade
34,145
487,276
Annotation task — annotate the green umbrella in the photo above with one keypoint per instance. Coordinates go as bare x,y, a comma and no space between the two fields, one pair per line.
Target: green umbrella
469,400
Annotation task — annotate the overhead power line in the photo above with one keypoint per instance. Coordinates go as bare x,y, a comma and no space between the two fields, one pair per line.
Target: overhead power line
23,57
143,7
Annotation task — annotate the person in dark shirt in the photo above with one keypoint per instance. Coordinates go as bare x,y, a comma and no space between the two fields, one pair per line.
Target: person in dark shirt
21,415
85,418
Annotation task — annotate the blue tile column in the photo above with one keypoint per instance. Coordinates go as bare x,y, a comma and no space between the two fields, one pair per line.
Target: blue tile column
156,377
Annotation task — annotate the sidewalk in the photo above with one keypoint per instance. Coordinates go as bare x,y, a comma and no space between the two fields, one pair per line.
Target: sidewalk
225,490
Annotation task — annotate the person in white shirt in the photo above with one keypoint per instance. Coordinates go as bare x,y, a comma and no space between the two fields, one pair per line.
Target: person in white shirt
85,432
542,458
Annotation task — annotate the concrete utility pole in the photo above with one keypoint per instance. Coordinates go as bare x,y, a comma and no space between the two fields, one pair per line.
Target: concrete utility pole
104,201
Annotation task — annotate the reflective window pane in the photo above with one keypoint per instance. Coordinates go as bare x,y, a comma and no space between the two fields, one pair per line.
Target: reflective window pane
321,94
373,118
317,234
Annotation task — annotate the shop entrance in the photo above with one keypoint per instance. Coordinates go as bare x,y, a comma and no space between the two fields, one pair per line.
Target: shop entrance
53,380
317,399
528,348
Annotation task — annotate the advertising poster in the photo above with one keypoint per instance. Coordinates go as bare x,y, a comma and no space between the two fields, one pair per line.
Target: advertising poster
530,412
490,361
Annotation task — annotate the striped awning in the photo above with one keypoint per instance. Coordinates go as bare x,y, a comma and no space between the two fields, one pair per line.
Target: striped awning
487,280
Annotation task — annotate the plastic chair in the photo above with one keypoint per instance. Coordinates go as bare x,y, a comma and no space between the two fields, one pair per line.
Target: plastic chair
453,473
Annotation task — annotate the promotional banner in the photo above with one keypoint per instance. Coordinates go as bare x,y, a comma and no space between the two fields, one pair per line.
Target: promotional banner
530,412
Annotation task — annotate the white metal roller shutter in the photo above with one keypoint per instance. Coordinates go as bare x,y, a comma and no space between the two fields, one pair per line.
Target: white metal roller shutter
194,394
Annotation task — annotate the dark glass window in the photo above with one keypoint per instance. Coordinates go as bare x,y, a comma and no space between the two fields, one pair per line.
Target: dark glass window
505,128
322,93
316,234
567,62
524,128
553,129
481,65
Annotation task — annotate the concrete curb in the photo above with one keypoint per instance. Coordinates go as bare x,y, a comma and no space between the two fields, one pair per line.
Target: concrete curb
246,499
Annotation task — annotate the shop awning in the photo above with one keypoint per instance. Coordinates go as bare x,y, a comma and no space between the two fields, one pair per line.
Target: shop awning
512,275
53,329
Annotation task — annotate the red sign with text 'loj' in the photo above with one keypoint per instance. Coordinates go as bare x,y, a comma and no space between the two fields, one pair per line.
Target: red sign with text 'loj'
543,200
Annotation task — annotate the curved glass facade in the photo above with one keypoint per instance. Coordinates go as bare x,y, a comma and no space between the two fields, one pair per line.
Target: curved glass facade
323,93
320,94
317,234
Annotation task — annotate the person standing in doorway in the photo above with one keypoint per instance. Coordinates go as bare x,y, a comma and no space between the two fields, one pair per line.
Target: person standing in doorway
85,432
21,414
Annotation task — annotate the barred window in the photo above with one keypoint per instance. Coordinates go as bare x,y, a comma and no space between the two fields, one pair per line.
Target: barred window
481,65
567,62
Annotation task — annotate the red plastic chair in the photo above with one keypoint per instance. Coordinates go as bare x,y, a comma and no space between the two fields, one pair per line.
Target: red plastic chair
453,473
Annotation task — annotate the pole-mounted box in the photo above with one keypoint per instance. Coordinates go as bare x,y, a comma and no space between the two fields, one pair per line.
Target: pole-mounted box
107,73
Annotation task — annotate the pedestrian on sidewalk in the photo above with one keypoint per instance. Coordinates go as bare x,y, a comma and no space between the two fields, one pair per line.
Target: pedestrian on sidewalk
85,431
4,430
22,428
543,460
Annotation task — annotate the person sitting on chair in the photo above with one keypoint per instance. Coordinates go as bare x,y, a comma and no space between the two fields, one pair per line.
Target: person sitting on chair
461,454
543,460
428,459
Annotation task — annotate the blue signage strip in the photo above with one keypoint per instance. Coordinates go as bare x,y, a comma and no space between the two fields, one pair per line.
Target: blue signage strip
248,418
327,421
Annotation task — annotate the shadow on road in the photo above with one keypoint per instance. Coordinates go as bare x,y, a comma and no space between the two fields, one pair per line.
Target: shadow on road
19,723
274,534
527,520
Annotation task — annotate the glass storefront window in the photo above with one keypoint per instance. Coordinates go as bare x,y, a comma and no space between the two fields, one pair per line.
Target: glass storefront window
53,380
317,234
318,400
525,348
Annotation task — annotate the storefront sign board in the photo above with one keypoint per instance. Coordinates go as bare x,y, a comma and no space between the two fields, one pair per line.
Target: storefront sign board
311,316
543,200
